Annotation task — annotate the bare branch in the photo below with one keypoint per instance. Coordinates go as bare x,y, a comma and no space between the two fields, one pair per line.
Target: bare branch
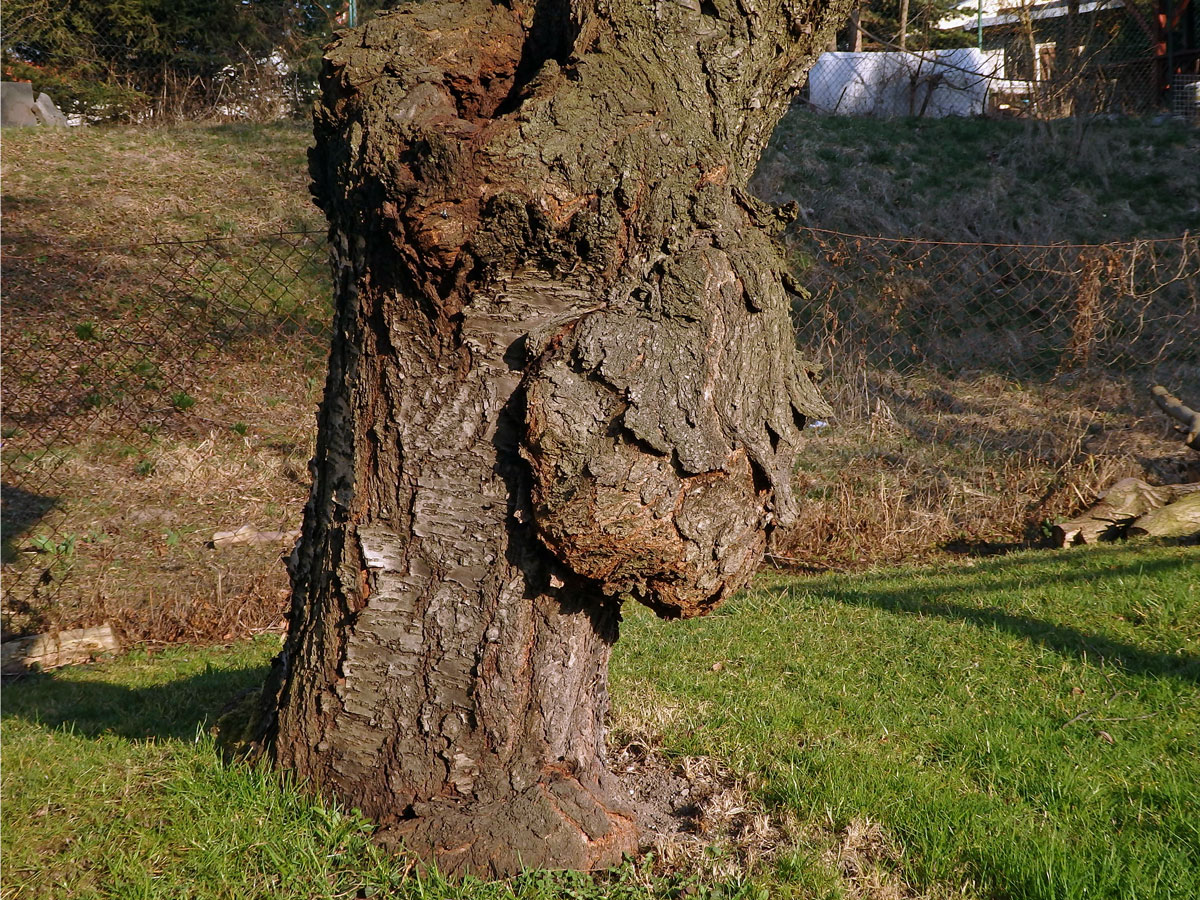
1175,408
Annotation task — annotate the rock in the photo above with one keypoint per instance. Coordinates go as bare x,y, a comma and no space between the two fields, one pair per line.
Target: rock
152,515
48,113
16,104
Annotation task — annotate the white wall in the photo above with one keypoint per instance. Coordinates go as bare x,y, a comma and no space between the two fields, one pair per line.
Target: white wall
940,82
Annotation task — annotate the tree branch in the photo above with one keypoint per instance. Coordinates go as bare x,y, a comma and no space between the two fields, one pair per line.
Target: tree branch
1175,408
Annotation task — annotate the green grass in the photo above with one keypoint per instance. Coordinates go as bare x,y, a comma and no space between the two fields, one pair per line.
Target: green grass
973,179
1024,727
111,186
969,711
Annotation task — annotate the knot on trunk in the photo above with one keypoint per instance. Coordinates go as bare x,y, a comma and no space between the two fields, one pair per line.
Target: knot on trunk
661,432
621,515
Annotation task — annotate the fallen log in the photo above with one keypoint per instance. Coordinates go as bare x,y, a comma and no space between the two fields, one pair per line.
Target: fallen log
1175,520
1176,409
53,650
1117,509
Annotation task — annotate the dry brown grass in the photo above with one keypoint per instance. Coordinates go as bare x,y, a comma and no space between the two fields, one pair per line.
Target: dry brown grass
126,448
85,187
140,511
921,465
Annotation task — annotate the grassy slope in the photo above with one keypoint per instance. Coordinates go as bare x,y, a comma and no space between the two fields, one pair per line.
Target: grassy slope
114,186
953,179
134,494
70,189
986,180
918,461
1026,727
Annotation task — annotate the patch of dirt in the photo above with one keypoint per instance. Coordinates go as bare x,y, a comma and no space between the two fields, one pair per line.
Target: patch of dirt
700,819
697,819
696,814
868,862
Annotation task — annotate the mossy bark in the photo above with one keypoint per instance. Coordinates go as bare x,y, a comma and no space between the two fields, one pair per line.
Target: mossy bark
562,375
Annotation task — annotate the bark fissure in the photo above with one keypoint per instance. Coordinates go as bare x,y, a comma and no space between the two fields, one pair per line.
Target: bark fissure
562,375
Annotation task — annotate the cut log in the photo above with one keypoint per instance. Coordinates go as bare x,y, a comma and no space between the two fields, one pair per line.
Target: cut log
51,651
1117,509
1175,408
1175,520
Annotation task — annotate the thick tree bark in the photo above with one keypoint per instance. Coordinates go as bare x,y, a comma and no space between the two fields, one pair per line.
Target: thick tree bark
562,375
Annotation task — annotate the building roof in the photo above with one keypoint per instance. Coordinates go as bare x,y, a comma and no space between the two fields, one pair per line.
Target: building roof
1005,12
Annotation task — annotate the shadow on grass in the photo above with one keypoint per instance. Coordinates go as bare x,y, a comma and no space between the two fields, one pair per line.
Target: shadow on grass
177,710
950,600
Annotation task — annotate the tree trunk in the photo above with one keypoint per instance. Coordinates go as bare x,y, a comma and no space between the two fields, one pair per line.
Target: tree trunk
562,375
856,35
902,38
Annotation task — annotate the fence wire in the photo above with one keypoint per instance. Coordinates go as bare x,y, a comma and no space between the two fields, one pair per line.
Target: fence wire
118,363
1027,312
159,396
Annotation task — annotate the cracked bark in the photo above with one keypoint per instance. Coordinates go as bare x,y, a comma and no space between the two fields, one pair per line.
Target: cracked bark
562,376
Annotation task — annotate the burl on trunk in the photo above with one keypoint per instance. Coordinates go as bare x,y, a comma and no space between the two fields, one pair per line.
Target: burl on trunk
562,375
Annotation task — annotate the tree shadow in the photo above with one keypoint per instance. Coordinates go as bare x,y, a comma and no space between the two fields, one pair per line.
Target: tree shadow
951,601
176,710
20,512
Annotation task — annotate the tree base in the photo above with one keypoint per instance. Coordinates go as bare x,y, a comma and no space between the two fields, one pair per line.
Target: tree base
561,822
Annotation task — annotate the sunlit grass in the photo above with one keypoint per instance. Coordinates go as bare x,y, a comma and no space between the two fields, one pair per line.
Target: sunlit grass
1025,727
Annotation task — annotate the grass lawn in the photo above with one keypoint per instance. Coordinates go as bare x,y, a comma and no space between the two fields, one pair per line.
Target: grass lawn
1024,727
972,179
113,186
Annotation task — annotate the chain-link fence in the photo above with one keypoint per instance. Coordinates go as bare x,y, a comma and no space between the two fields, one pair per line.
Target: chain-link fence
159,405
1019,58
1027,312
154,395
983,391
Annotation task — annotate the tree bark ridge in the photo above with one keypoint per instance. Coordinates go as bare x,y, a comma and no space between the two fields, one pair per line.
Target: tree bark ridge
562,375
